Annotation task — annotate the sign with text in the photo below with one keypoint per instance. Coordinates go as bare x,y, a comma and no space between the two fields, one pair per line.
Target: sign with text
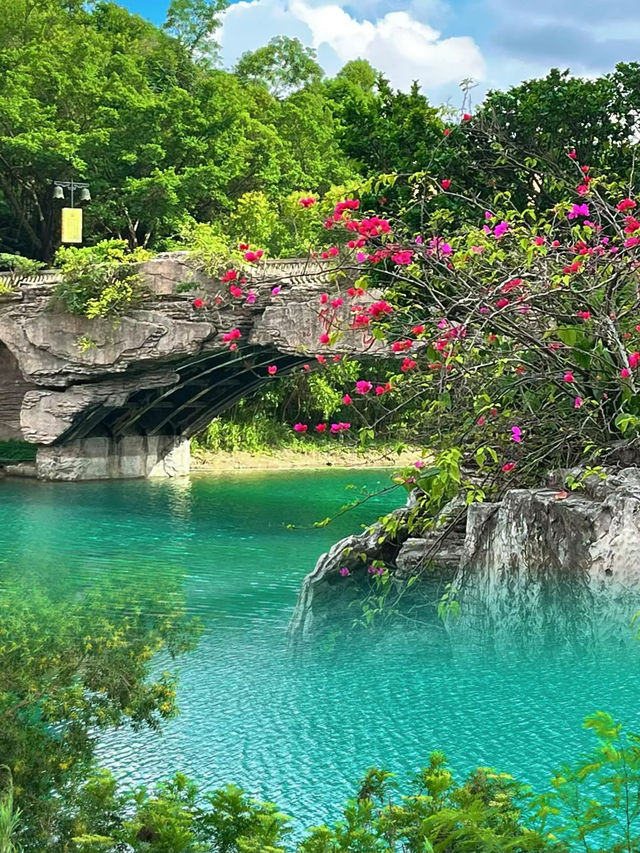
72,225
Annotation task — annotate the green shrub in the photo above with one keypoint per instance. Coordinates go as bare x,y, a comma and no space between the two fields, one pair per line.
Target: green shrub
100,280
17,451
19,269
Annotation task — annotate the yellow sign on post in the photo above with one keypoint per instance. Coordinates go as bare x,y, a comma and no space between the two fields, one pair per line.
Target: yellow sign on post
72,225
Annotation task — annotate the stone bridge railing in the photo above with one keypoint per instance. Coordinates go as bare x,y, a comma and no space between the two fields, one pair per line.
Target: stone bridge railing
106,399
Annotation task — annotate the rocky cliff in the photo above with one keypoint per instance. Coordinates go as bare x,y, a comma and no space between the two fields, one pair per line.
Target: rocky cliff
562,564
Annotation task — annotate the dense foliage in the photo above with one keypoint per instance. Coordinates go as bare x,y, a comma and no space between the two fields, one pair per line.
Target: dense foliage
164,137
591,806
70,667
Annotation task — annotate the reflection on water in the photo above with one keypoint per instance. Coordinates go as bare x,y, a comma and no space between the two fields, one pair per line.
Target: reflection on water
300,728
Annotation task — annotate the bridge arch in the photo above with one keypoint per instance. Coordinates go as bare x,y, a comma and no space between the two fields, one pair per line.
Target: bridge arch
114,400
13,387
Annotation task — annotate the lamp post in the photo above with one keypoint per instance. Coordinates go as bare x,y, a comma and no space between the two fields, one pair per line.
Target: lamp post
60,186
71,229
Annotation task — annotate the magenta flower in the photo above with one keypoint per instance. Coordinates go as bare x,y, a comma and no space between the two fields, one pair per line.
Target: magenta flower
516,434
508,466
300,427
347,400
363,387
578,210
577,403
344,571
501,229
276,290
569,377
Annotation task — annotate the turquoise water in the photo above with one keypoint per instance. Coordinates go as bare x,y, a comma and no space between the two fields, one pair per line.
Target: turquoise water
300,728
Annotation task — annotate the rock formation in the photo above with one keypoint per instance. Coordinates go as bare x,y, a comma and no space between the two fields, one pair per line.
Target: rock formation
519,561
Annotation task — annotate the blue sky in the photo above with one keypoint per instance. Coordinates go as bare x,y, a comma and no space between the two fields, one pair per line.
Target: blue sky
439,42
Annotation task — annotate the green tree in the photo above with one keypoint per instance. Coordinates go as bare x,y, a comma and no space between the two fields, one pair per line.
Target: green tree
283,65
71,666
193,23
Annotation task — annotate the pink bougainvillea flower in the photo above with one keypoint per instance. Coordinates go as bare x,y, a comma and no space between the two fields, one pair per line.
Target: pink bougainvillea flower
446,183
466,117
572,154
230,275
417,330
236,291
276,290
252,257
516,434
631,224
401,346
634,359
306,367
501,229
539,241
272,370
577,403
625,373
481,420
198,303
300,427
324,298
585,315
363,387
309,201
569,377
583,189
447,131
321,359
324,338
377,309
233,335
514,284
251,298
488,214
419,463
626,204
402,258
508,466
578,210
344,571
631,242
408,364
321,428
336,303
380,390
502,303
347,400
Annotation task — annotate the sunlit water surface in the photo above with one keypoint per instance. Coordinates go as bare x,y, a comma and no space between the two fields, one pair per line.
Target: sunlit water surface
299,729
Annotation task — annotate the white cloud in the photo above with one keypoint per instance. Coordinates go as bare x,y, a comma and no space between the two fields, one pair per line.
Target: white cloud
399,45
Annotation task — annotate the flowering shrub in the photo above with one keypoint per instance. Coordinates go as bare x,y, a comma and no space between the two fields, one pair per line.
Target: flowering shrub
523,327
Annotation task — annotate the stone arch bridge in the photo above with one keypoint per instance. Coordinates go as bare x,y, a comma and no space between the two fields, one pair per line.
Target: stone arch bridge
104,399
